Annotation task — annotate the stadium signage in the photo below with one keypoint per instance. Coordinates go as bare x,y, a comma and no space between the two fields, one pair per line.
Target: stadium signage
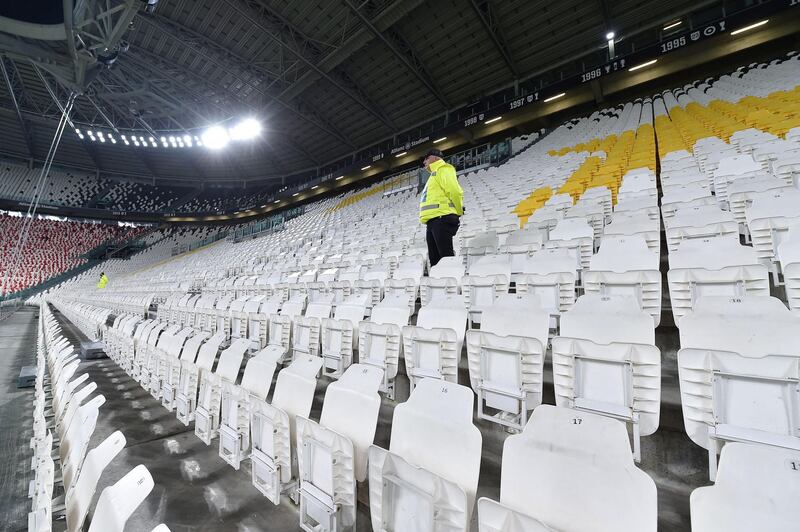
619,64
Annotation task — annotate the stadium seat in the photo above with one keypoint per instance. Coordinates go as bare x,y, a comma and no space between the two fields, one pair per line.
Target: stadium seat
332,454
432,347
429,475
565,459
756,489
506,359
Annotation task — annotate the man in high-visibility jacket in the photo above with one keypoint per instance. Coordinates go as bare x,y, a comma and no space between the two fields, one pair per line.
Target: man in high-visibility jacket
103,280
440,206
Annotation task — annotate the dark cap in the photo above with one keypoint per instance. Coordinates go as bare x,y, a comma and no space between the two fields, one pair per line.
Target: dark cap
434,152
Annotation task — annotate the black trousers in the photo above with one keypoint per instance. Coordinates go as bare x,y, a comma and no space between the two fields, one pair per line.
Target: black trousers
439,234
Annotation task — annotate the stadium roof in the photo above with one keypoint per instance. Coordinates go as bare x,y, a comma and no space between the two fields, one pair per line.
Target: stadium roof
325,78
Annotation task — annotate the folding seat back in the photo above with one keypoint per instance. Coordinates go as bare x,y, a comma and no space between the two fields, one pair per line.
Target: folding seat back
756,488
789,257
769,217
481,244
740,396
307,328
273,427
574,234
713,267
75,440
742,354
742,191
258,321
80,494
340,334
488,278
685,197
608,364
380,340
118,501
520,245
238,321
506,359
565,458
550,275
332,454
327,275
432,348
172,376
340,290
592,213
635,226
730,169
234,432
430,472
64,417
699,223
186,396
624,266
220,319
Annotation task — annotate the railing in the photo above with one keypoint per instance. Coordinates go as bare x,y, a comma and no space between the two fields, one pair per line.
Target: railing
265,225
9,307
185,248
480,156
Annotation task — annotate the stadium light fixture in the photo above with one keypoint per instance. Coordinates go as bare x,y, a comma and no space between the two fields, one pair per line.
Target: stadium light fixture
642,65
401,154
491,120
437,141
340,178
247,129
366,167
750,27
610,38
672,25
556,97
216,137
276,201
295,194
315,187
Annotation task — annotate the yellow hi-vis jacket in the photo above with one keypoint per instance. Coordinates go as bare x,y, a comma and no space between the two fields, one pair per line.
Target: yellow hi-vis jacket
102,282
442,194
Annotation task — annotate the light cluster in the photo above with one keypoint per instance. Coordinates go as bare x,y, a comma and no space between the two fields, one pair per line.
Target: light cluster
214,137
140,141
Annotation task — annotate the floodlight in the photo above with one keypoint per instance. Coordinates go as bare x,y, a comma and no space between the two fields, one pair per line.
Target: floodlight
246,129
216,137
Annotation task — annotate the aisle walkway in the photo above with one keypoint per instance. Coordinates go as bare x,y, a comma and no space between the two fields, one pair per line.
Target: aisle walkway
17,349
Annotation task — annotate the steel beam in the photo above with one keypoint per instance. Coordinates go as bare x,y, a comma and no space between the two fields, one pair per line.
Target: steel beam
25,132
260,15
360,38
483,10
296,109
403,51
201,81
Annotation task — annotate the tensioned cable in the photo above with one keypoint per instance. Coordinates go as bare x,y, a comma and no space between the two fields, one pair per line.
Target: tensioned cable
22,237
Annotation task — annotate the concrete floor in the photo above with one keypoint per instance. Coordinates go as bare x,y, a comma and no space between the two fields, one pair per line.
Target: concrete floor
196,491
17,349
